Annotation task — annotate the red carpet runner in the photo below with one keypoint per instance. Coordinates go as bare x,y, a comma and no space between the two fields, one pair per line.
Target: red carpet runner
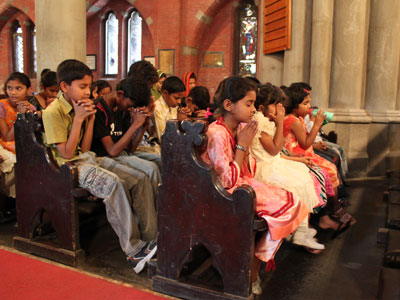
26,278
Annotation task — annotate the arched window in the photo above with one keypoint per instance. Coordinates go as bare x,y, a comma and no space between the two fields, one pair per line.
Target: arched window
134,38
111,45
247,52
34,50
18,48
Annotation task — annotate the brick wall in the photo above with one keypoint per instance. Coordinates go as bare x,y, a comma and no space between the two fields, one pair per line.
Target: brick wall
190,27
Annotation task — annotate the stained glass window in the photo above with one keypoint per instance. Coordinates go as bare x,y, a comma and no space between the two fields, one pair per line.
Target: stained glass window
111,47
134,38
18,50
248,38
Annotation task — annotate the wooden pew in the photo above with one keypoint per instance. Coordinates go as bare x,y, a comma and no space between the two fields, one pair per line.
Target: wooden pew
42,186
206,235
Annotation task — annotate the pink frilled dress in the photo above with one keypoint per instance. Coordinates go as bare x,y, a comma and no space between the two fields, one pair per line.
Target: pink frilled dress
291,144
282,211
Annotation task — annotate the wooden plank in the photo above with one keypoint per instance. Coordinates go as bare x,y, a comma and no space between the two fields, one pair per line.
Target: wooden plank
270,2
269,27
277,34
275,7
279,14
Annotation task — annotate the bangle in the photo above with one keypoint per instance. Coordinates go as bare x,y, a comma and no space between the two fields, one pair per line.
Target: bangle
241,147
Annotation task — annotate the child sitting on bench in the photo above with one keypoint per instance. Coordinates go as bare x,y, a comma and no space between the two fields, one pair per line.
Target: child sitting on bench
228,149
68,124
119,127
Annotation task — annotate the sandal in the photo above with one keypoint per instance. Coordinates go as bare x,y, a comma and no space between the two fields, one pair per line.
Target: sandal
342,228
313,251
344,202
343,217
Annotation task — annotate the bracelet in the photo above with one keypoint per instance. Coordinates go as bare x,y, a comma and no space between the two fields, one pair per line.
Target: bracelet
241,147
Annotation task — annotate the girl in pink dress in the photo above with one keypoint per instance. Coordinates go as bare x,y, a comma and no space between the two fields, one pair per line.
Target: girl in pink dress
299,142
227,151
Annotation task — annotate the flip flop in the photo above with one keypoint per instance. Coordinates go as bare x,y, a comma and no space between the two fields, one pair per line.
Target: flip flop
342,228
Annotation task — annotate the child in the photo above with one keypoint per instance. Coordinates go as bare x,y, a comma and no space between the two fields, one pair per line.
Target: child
300,143
144,70
198,101
68,124
190,81
148,148
48,91
275,170
17,88
173,90
156,89
119,123
103,88
227,151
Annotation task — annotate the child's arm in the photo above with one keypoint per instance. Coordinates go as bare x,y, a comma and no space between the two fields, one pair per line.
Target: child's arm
244,139
82,112
274,146
7,134
87,138
303,159
114,149
137,138
306,140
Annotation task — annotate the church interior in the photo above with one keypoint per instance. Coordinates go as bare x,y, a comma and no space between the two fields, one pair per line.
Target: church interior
346,51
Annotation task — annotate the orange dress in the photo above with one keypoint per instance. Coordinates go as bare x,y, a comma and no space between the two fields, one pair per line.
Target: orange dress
10,116
291,144
281,209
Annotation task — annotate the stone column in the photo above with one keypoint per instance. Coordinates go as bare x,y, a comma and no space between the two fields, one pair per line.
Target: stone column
348,77
382,84
297,59
60,32
349,58
383,61
321,52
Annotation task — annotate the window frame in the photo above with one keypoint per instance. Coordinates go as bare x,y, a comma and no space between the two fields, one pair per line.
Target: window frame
105,44
129,16
14,34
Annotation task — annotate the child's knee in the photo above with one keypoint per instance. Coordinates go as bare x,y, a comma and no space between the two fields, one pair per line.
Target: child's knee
99,182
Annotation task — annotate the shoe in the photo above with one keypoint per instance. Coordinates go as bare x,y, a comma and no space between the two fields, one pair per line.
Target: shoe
289,237
145,254
302,239
311,232
256,286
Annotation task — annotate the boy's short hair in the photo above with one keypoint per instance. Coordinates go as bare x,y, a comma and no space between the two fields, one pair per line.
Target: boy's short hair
72,69
173,84
144,70
135,89
200,97
49,79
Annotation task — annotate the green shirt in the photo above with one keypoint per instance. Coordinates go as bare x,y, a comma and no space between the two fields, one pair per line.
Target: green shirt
57,121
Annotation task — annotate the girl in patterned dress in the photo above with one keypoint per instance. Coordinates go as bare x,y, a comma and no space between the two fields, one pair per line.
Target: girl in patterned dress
228,152
299,142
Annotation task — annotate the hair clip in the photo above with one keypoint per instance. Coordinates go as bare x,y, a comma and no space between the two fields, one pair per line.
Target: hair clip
208,113
307,91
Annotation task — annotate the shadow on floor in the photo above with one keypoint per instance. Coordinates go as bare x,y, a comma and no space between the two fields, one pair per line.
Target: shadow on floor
348,269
